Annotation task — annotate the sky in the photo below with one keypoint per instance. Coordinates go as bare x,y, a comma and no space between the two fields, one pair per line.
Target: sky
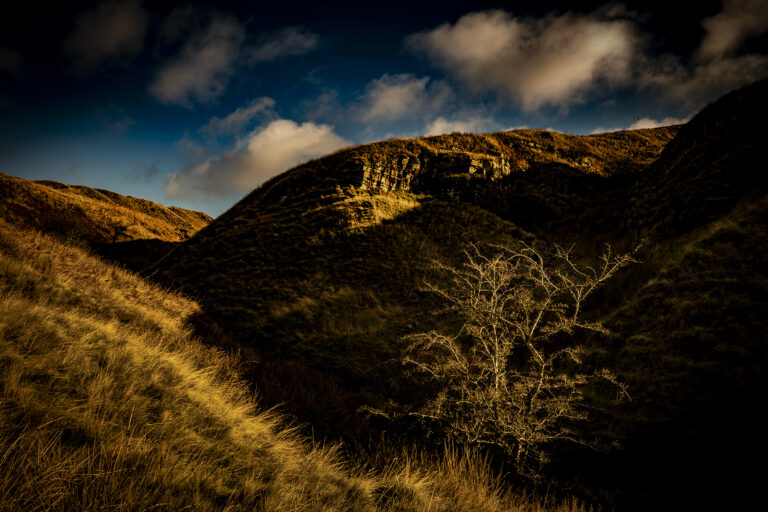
195,104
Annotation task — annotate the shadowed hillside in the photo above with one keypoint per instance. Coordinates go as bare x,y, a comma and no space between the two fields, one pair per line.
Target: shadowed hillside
107,402
316,275
318,272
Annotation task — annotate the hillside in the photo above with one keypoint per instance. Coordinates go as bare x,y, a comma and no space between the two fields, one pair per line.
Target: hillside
317,275
107,401
320,269
93,215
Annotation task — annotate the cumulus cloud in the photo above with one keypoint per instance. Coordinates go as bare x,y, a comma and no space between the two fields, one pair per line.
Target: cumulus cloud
647,122
201,71
264,153
442,125
287,42
239,119
113,29
727,30
555,60
716,67
325,106
397,96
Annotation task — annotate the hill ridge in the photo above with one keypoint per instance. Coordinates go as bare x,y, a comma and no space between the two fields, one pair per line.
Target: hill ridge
93,215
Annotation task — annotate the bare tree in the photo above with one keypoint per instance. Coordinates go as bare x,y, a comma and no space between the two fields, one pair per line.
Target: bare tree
510,377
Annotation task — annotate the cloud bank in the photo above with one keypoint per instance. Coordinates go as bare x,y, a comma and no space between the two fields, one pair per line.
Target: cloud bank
289,41
201,71
716,67
392,97
738,21
238,120
442,125
555,60
647,122
114,29
264,153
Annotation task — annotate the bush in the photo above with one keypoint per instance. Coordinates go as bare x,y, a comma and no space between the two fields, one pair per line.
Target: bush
511,377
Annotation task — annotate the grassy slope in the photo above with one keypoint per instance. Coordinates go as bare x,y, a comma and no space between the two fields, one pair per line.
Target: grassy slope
552,176
327,291
299,283
315,276
95,216
108,402
691,341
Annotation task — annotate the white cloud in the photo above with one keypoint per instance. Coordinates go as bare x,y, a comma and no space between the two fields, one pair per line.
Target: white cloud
727,30
602,129
113,29
202,69
325,106
555,60
716,67
287,42
264,153
695,84
442,125
397,96
239,119
647,122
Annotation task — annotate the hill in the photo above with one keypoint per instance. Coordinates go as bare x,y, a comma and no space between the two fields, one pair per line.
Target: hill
107,401
140,229
320,269
317,275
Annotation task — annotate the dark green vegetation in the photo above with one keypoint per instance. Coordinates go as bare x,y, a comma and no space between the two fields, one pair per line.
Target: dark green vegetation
316,276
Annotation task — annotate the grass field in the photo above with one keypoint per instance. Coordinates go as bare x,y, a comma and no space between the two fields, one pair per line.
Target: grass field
108,402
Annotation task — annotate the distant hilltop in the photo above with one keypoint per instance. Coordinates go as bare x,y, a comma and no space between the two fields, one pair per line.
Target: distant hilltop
93,215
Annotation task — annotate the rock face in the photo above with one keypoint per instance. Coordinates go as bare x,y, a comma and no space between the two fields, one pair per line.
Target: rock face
408,172
535,178
389,173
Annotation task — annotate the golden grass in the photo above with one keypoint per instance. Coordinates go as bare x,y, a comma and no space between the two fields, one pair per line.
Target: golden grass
93,215
107,402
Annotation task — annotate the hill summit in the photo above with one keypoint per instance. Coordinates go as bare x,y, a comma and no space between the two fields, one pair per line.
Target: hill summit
318,274
93,215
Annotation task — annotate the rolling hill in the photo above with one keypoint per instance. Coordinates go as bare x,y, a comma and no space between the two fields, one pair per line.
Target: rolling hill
108,402
130,230
320,269
316,276
93,215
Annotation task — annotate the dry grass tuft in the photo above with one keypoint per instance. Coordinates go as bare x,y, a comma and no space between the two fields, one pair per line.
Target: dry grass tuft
107,402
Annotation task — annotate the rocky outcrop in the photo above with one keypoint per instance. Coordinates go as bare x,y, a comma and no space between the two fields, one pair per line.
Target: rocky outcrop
389,173
408,171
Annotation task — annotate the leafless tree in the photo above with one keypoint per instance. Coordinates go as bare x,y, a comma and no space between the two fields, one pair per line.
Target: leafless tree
511,376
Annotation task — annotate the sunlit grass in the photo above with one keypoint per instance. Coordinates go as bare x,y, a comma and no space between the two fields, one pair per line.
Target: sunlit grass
107,402
92,215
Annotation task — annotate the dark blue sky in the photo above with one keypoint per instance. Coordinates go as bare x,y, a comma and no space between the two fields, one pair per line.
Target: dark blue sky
194,105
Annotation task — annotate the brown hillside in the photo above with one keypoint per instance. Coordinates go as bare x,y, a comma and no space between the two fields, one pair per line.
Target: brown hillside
107,402
319,271
317,275
93,215
535,178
